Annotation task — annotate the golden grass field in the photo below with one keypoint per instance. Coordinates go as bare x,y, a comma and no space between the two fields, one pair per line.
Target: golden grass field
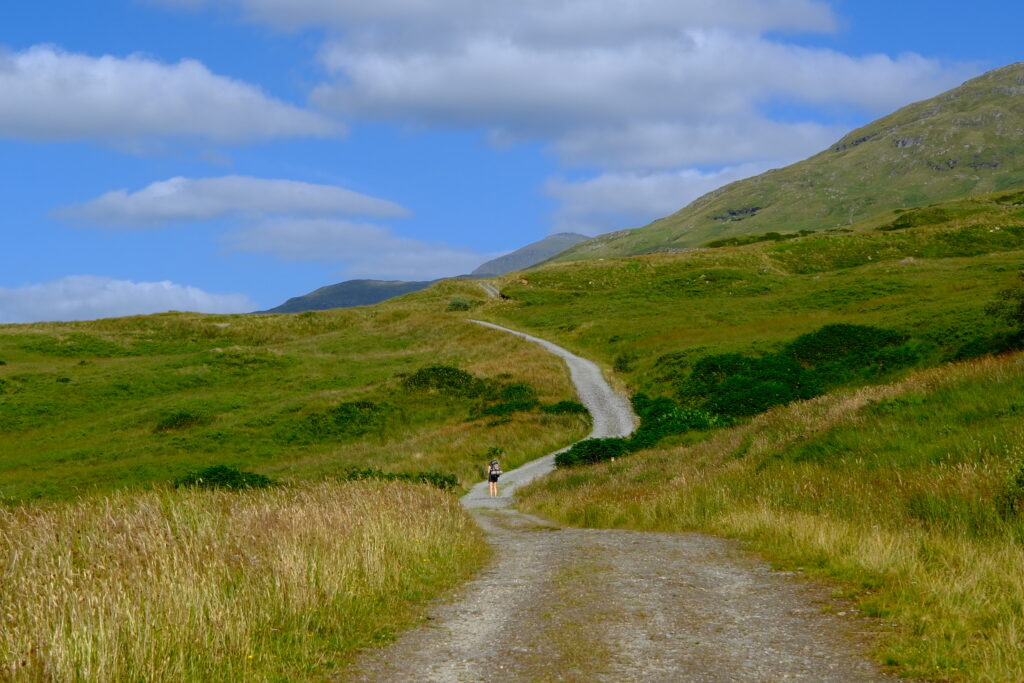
185,585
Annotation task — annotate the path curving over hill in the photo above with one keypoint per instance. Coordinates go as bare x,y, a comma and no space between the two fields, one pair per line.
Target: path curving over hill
610,411
606,605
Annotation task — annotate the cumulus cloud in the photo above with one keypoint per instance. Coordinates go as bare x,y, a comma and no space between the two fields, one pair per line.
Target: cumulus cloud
630,199
201,199
653,93
364,250
86,297
53,95
396,21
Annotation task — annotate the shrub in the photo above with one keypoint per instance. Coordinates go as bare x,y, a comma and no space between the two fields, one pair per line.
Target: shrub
509,407
459,303
853,344
1010,307
445,482
345,420
624,361
592,451
447,380
566,408
517,392
662,417
181,419
1010,502
224,477
732,385
985,346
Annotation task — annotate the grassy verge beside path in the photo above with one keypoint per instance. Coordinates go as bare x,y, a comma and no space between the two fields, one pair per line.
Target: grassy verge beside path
908,496
176,585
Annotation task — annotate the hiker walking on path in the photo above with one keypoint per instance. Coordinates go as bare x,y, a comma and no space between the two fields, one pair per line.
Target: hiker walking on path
493,472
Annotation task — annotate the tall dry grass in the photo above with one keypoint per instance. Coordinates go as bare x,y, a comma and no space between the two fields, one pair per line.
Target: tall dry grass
179,585
892,491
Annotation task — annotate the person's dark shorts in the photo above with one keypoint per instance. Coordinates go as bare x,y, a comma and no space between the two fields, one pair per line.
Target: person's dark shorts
492,478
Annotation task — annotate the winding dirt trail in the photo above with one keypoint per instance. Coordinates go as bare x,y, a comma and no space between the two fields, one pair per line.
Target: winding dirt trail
562,604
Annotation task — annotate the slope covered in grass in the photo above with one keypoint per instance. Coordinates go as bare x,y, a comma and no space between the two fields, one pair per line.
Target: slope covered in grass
131,401
964,142
909,495
926,274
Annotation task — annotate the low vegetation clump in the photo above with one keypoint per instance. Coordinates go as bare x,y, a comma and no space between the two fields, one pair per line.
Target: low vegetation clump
907,495
445,482
188,585
224,477
181,419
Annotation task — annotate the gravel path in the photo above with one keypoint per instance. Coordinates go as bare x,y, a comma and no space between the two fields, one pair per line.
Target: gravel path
607,605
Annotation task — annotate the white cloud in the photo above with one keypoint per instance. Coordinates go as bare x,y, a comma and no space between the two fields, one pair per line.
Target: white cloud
630,199
667,145
364,250
86,297
397,21
52,95
191,199
645,91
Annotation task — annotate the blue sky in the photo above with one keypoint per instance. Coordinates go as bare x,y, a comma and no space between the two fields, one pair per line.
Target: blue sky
224,155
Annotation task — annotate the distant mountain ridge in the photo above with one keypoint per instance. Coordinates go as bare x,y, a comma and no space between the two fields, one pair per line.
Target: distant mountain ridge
530,255
367,292
967,141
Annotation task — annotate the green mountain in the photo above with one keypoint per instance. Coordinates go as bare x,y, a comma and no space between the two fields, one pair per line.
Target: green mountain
967,141
530,255
367,292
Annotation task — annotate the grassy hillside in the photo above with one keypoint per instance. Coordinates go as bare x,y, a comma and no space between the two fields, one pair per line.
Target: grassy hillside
925,273
130,401
966,141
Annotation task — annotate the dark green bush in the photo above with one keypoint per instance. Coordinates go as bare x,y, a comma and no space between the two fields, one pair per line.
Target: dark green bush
849,344
459,303
566,408
986,346
509,407
662,417
224,477
345,420
517,392
181,419
445,482
592,451
447,380
733,385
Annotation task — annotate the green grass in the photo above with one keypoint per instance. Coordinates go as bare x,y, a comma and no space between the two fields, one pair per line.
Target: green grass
652,317
133,401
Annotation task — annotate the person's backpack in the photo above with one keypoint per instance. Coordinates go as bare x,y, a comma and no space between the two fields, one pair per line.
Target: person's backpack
494,469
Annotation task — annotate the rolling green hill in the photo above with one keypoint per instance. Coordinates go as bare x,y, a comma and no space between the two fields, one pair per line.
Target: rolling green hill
967,141
130,402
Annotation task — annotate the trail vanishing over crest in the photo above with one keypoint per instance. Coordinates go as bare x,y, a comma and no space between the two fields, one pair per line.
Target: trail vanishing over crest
603,605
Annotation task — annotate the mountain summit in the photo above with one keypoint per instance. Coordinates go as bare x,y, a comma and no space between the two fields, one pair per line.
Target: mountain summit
967,141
